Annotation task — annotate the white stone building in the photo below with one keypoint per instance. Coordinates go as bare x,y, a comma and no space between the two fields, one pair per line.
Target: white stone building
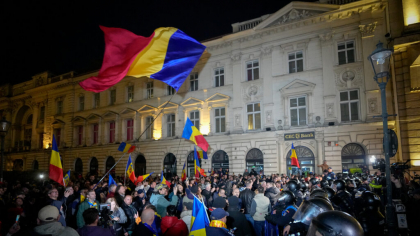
299,75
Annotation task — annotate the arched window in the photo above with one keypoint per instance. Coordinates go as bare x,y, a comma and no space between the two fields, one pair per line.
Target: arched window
78,166
219,160
93,167
169,164
190,164
140,165
35,165
109,164
353,155
29,120
306,160
255,160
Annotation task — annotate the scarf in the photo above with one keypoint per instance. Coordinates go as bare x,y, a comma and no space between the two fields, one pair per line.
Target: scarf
218,224
93,205
150,228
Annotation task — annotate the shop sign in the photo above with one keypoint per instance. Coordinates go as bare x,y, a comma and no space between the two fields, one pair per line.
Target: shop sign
297,136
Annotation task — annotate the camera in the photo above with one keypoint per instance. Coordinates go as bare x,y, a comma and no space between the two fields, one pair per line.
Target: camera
378,164
104,214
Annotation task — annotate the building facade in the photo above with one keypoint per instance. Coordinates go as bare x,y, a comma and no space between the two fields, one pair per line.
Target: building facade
298,76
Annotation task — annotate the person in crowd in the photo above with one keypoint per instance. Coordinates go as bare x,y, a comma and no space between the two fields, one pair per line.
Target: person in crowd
218,223
207,193
90,202
54,201
171,225
324,166
145,228
260,207
139,200
151,190
236,193
159,201
48,223
247,196
112,190
236,219
271,192
119,194
331,174
186,214
343,198
91,228
131,214
118,216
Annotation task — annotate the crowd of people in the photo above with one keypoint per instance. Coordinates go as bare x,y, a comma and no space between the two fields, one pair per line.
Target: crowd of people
246,204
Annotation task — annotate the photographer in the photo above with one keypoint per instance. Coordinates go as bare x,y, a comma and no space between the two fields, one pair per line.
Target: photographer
91,218
118,216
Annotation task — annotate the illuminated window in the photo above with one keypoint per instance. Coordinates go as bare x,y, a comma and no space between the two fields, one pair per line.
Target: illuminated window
194,82
130,126
130,93
195,118
349,105
298,111
149,90
149,127
254,116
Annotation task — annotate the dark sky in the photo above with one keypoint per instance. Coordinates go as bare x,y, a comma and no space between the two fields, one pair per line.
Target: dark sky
61,36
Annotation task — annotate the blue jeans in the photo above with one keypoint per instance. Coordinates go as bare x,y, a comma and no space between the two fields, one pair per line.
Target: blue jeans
259,226
250,219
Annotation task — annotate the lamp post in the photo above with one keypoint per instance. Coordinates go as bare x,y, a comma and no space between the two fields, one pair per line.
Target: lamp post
380,63
4,127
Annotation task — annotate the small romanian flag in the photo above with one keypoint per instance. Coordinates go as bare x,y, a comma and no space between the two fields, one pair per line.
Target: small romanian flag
56,169
143,178
294,158
125,147
202,155
164,181
197,166
191,133
130,170
184,173
67,178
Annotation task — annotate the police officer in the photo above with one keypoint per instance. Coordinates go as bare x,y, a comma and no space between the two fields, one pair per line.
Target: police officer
294,188
343,198
319,193
330,192
335,223
313,184
283,210
371,218
305,213
331,174
324,183
304,190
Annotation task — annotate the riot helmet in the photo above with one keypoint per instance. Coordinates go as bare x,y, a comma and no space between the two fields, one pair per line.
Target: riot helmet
332,223
330,182
357,182
371,200
351,176
303,186
286,198
318,193
324,183
339,175
330,191
310,209
314,181
292,186
339,185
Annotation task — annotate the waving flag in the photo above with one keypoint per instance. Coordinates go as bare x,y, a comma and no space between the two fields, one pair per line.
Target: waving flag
56,169
168,55
191,133
199,219
130,170
111,181
164,181
143,178
202,154
125,147
184,173
294,158
67,178
197,166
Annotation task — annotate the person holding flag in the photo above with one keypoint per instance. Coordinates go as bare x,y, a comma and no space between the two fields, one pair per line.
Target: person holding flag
158,198
218,223
56,169
184,173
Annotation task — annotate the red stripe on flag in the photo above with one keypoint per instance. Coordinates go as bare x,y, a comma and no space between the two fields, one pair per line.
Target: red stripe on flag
201,142
56,174
132,148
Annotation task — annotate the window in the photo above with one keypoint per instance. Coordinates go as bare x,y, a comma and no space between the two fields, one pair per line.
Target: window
80,135
130,126
112,132
298,111
149,132
28,134
81,103
253,70
349,105
41,141
59,107
219,114
295,62
42,113
57,134
170,90
149,92
96,100
254,116
219,77
95,133
195,118
113,97
130,93
170,121
345,52
194,82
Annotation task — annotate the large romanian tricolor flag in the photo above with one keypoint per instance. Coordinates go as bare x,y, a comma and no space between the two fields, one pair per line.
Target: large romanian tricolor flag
168,55
56,169
130,170
191,133
294,158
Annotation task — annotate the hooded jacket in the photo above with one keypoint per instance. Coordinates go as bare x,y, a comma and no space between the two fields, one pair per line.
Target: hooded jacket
55,228
271,193
186,217
171,225
160,202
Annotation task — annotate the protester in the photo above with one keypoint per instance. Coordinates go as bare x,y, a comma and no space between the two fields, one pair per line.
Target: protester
260,207
90,202
171,225
91,228
158,198
218,223
131,214
118,216
48,221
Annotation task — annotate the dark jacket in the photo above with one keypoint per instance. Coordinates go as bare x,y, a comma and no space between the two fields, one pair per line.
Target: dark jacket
95,231
217,231
119,199
142,230
246,196
208,196
82,208
271,193
238,220
129,211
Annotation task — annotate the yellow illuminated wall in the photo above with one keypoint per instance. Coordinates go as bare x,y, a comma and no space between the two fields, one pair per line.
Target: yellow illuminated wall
411,9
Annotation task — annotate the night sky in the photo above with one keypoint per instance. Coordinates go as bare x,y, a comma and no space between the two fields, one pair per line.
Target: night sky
61,36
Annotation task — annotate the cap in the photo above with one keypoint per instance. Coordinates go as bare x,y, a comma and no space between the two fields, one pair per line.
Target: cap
233,203
194,189
311,173
140,191
218,214
160,186
219,202
48,213
330,168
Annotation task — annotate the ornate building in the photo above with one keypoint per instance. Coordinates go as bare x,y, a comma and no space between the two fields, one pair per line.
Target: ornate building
299,75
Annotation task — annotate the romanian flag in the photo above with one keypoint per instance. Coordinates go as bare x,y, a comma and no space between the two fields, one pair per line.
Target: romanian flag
164,181
56,169
125,147
130,170
67,179
197,166
294,158
199,219
143,178
191,132
168,55
202,154
184,173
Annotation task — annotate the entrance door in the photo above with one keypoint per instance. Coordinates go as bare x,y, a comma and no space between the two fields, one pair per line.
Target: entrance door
169,164
140,165
306,160
353,159
255,160
220,159
190,164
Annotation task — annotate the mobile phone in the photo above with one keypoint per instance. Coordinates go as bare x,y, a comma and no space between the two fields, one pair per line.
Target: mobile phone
17,218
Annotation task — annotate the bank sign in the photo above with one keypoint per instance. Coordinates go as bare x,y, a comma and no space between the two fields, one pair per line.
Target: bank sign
296,136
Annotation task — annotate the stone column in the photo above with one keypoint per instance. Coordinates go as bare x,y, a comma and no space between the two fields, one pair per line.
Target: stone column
34,138
319,137
282,158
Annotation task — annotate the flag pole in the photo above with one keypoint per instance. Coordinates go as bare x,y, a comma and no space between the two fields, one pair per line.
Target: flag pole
109,170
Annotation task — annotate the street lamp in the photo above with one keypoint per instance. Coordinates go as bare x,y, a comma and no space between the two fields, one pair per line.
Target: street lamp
4,127
380,63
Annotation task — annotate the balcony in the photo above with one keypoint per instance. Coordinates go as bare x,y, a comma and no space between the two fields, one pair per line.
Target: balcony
21,146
